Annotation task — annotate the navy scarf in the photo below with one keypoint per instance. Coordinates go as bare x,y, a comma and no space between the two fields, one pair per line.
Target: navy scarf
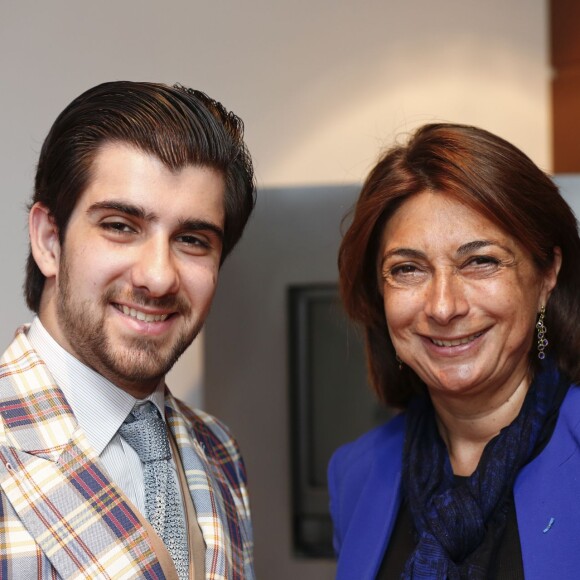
451,515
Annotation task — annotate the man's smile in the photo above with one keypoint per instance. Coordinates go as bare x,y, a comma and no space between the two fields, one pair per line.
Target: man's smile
140,315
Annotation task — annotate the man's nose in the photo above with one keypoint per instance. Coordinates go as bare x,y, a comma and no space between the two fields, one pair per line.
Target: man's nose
155,269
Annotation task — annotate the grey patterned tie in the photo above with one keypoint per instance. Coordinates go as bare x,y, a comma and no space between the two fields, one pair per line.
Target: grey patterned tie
144,430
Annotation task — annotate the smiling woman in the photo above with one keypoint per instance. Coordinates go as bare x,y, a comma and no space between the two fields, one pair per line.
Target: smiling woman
460,249
460,304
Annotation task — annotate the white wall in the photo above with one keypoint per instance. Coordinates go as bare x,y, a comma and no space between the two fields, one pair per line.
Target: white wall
321,84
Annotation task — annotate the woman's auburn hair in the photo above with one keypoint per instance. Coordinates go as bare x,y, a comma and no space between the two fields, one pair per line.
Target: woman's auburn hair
498,181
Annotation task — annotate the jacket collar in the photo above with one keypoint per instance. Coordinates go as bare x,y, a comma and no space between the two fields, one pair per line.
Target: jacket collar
545,493
376,510
47,463
56,482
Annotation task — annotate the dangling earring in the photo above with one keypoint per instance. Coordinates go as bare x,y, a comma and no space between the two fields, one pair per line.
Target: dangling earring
399,361
541,328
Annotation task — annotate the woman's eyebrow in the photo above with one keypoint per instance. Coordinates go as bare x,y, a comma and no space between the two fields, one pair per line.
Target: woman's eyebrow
463,250
479,244
404,253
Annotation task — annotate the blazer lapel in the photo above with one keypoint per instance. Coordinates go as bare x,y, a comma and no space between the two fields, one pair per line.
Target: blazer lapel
546,494
364,545
56,483
217,505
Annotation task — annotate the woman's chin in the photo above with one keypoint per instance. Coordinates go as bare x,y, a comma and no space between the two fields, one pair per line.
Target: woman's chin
453,381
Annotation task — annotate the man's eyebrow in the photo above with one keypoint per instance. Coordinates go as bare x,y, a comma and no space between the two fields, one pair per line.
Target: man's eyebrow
201,225
136,211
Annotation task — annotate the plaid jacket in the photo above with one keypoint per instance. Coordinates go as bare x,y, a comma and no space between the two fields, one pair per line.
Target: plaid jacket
61,516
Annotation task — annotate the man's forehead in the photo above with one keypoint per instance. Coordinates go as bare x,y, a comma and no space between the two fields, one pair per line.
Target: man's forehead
109,151
123,170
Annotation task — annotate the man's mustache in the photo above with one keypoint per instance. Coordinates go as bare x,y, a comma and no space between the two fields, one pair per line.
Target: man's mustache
137,297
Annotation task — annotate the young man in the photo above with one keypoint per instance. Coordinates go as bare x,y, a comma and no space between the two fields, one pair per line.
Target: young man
141,192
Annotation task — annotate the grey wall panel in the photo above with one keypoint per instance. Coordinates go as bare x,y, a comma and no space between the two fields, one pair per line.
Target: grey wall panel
293,238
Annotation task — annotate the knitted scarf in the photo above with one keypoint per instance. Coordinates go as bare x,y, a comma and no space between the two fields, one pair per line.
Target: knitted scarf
451,517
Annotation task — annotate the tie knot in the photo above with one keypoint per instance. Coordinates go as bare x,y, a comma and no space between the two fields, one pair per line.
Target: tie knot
144,430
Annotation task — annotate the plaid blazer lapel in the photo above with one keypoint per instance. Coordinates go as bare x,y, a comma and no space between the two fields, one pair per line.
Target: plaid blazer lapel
55,484
217,483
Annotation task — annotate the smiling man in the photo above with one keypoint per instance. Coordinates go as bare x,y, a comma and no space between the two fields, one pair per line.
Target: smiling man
141,192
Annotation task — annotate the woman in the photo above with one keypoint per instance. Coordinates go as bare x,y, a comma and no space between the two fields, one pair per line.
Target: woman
462,265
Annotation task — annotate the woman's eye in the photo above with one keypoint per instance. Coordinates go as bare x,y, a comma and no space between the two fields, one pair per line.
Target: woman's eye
404,274
483,261
481,266
404,269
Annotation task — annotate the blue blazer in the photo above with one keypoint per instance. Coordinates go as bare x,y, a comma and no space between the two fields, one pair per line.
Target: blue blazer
365,494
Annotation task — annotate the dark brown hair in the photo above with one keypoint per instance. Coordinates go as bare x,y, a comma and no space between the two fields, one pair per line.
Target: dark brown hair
178,125
495,179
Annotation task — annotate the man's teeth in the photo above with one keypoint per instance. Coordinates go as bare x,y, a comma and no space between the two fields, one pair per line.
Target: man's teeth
456,342
142,315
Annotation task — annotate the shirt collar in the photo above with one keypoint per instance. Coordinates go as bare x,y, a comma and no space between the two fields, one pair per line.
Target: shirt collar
99,406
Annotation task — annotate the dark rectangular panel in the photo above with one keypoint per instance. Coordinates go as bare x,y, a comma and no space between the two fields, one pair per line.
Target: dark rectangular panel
331,404
566,120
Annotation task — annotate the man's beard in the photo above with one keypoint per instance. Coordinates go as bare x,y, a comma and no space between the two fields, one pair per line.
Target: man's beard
135,361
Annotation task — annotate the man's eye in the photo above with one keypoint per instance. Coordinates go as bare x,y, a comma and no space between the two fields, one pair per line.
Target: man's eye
190,240
119,227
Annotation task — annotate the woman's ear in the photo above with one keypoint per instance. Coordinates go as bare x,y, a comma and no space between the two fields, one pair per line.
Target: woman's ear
44,240
551,276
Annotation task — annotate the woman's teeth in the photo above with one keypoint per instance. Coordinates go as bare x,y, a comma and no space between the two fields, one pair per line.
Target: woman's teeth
457,341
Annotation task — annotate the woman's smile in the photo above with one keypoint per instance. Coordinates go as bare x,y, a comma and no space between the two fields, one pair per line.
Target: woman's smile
460,295
455,341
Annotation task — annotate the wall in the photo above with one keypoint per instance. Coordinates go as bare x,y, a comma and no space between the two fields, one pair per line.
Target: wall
570,188
293,241
321,84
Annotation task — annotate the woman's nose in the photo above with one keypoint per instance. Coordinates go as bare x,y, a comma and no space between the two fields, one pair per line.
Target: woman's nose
446,297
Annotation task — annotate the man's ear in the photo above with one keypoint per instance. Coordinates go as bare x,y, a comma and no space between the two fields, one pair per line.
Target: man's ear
44,240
